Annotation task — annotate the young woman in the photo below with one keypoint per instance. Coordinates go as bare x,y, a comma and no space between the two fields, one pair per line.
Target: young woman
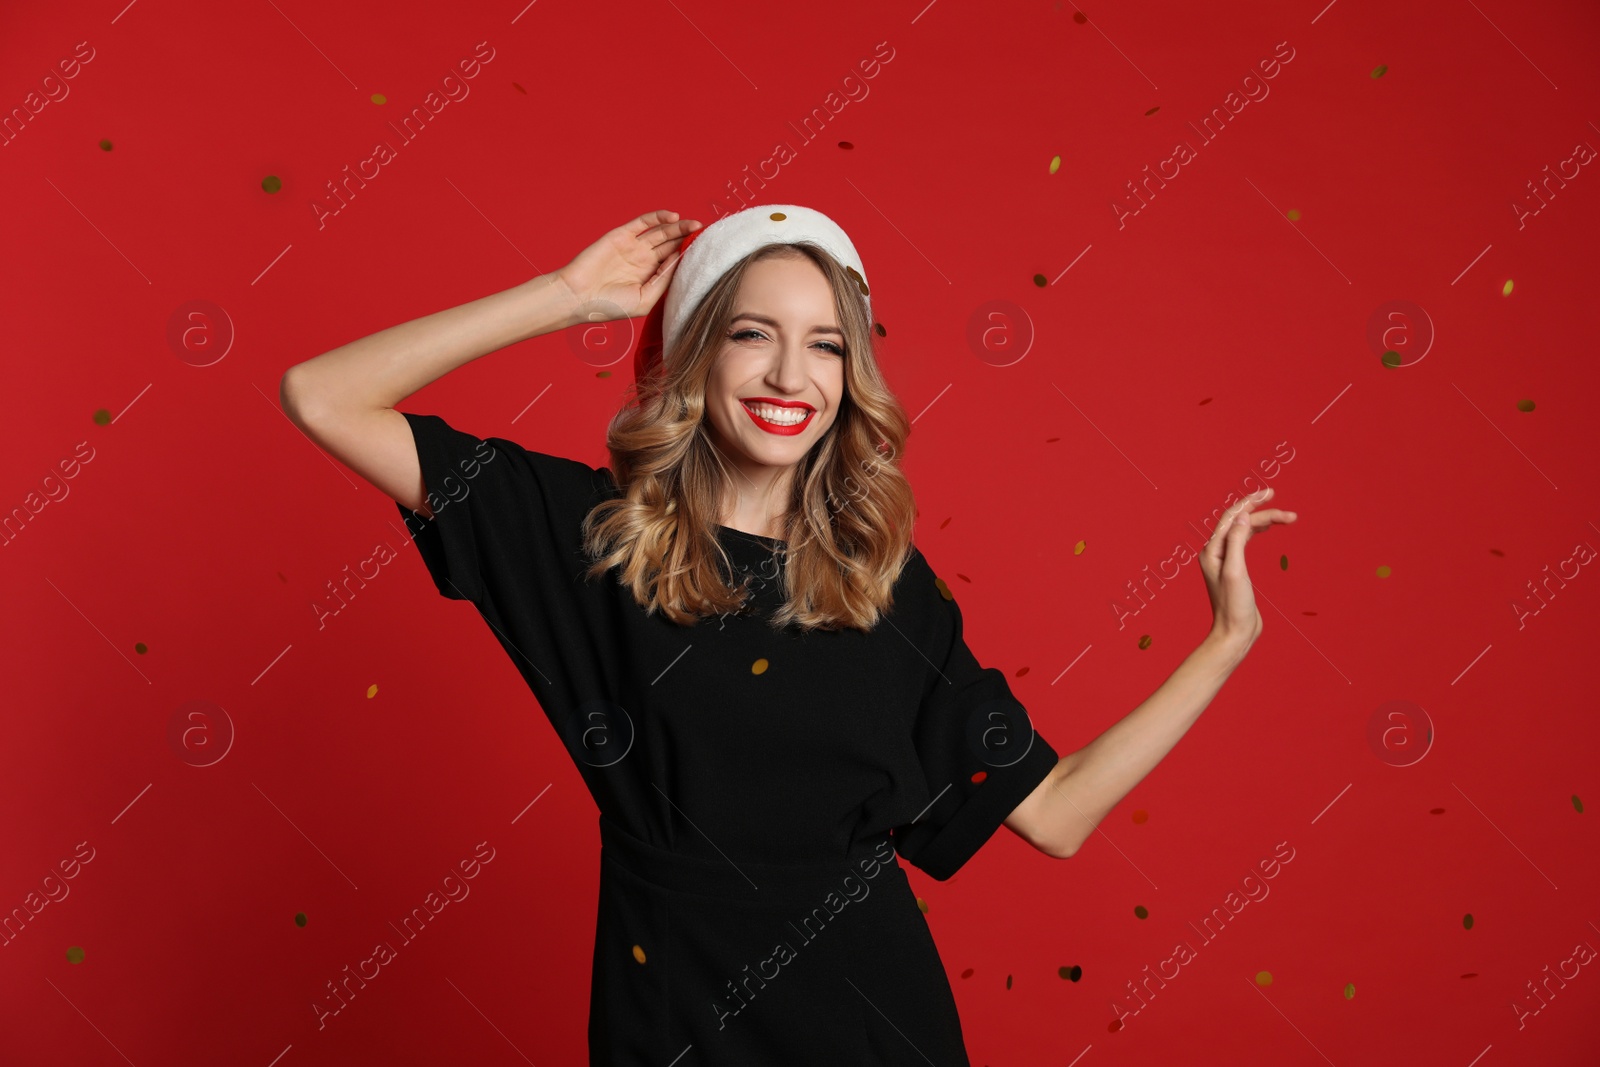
763,684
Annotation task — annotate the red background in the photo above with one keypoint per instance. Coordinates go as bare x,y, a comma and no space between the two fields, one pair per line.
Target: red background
1209,332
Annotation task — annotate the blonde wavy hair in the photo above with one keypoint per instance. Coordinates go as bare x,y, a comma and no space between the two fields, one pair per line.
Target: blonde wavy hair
850,514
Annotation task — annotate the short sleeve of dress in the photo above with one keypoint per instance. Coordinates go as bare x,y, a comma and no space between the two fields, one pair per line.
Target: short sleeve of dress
502,515
976,744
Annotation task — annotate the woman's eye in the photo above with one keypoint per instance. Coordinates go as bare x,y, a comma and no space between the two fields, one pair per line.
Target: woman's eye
742,334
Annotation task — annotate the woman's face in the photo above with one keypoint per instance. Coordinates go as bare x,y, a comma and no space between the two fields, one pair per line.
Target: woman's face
782,353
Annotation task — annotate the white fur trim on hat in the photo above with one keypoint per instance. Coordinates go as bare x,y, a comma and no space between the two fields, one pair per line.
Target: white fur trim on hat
723,243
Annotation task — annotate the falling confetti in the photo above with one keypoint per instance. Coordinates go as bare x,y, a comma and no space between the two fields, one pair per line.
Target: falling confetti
846,145
980,776
1391,358
1384,572
1436,811
882,332
1051,440
603,374
282,579
1263,978
300,918
379,98
1378,72
519,88
1497,552
1470,974
1144,642
1308,613
1283,561
1008,981
1141,816
1040,280
944,590
1055,164
102,417
1505,290
967,973
1577,803
1206,401
1294,216
1524,405
638,953
1466,920
963,577
272,183
1349,991
759,666
1079,17
1115,1025
777,216
1141,911
922,905
1152,111
74,954
1021,671
105,146
1071,974
372,690
1077,549
140,647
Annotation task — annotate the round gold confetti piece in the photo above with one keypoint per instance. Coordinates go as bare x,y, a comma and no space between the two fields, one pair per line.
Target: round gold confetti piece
759,667
379,98
1505,290
944,590
1294,216
638,953
603,374
1283,561
1384,572
1391,358
140,647
300,918
1141,911
105,145
922,905
1144,642
1040,280
102,417
778,216
1077,549
372,690
1378,72
272,183
74,954
1466,920
1577,803
881,331
1263,978
1349,991
1055,164
1524,405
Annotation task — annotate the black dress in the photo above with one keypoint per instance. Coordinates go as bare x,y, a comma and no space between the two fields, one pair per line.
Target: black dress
754,786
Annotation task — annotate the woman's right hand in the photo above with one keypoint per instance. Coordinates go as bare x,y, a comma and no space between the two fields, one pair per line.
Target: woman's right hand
622,275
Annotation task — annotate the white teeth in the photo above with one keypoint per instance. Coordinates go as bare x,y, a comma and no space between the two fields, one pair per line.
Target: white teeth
781,416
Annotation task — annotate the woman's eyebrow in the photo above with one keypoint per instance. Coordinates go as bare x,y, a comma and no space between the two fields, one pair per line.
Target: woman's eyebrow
774,323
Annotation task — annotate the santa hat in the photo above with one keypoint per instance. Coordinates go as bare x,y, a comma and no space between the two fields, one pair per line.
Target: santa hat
707,254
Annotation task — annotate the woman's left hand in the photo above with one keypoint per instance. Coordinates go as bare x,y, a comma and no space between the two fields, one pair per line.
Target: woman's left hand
1235,621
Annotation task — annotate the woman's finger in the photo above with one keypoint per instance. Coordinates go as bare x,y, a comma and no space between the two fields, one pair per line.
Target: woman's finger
1233,566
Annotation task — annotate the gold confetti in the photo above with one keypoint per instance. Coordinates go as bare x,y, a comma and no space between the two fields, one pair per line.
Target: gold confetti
105,145
922,905
300,919
372,690
1141,911
777,216
140,647
1350,991
1506,289
102,417
74,954
1466,920
1144,642
1040,280
379,98
1077,549
1294,216
638,953
1263,978
1524,405
272,183
1384,572
759,667
1055,164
